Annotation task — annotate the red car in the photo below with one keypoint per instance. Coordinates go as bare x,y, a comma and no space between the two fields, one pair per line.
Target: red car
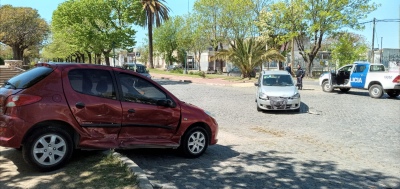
54,108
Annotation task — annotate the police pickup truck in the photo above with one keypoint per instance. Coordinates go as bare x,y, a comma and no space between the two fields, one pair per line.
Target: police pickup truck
363,75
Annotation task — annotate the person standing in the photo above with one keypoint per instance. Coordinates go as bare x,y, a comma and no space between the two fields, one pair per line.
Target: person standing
289,68
299,75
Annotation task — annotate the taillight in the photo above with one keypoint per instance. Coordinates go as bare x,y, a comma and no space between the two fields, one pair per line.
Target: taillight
397,79
21,100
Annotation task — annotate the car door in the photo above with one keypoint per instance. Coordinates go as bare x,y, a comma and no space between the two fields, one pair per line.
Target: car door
143,121
358,76
91,96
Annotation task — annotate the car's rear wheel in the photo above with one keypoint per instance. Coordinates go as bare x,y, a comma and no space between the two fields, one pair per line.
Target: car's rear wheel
326,87
48,149
194,142
376,91
393,93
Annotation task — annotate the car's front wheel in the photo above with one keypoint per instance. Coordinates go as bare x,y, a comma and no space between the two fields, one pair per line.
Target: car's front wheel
326,87
48,149
194,142
258,107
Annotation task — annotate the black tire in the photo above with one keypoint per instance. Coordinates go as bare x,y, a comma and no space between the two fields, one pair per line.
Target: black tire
345,90
48,149
298,110
194,142
258,108
375,91
326,87
393,93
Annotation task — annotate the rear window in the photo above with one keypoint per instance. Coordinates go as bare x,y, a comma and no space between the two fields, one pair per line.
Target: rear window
28,78
377,68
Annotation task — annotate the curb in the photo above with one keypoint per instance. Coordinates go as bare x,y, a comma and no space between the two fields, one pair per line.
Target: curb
143,181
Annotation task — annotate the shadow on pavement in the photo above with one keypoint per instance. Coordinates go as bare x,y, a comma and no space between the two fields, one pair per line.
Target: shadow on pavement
303,109
364,93
222,167
15,173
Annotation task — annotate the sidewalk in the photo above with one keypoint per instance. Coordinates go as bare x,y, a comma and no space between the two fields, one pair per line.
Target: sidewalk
210,81
207,81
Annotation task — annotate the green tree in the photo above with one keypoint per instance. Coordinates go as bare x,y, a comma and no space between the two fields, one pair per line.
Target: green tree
247,54
21,28
311,21
165,38
222,21
144,54
156,12
89,30
348,48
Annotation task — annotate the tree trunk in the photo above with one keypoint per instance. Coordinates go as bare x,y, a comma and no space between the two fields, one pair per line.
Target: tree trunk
97,58
150,31
107,57
198,55
17,52
89,56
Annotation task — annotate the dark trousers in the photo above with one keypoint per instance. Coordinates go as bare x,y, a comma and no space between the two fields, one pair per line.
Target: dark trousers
300,82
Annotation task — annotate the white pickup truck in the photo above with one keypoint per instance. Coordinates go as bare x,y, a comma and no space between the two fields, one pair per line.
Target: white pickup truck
363,75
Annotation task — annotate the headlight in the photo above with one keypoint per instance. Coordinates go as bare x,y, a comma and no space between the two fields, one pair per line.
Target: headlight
263,95
295,96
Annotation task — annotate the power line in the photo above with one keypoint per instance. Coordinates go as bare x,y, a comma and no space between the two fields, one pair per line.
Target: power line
383,20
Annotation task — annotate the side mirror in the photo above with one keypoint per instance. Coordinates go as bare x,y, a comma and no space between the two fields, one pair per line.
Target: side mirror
256,84
166,103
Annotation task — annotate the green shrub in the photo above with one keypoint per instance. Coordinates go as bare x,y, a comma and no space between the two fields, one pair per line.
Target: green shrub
179,70
1,61
201,74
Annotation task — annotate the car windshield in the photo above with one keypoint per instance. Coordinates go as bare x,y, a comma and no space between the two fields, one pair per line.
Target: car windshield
277,80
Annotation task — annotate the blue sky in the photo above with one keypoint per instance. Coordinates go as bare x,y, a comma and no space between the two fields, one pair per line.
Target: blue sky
387,31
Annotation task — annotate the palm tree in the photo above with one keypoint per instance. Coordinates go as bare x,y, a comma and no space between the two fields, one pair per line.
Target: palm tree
156,12
247,54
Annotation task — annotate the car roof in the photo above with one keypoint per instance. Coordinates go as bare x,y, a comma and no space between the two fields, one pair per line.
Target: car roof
137,64
72,64
277,72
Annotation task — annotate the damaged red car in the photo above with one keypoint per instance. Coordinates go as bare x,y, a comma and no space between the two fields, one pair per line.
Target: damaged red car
55,108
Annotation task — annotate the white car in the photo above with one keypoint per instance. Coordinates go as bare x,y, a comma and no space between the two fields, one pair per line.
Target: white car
276,90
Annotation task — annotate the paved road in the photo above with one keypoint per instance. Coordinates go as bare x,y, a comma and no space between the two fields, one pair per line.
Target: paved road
337,141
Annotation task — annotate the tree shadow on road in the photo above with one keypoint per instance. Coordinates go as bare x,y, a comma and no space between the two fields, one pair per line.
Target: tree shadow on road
85,169
222,167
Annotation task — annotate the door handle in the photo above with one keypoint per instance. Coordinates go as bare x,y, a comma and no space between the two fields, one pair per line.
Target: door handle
131,111
80,105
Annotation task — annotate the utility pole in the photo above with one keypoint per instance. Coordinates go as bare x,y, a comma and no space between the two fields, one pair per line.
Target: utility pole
292,51
381,53
373,38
